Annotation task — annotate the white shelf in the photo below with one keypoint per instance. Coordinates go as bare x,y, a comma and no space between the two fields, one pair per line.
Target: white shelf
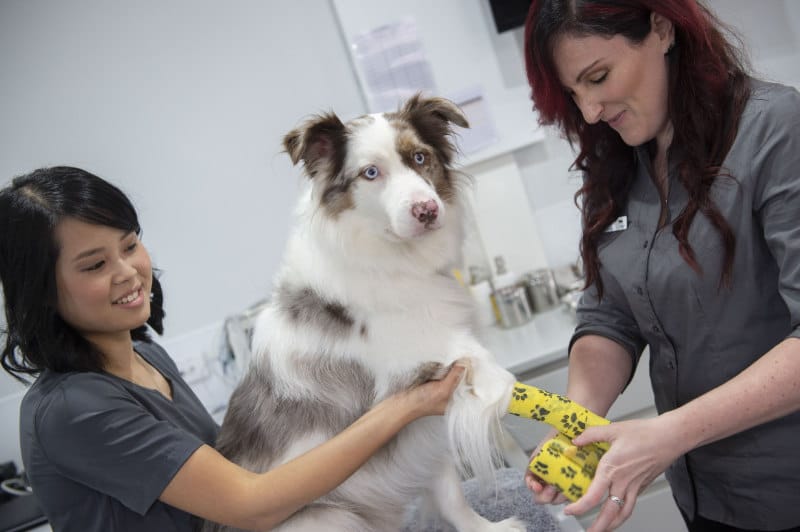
510,143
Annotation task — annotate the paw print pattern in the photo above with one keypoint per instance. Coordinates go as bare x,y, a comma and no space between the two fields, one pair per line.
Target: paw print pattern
559,462
553,450
539,413
575,492
540,468
598,452
551,408
568,472
572,424
519,394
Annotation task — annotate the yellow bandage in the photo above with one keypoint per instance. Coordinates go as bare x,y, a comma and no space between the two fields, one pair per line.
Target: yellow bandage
559,462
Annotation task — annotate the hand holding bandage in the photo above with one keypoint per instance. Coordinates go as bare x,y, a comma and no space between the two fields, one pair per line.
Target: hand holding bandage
559,462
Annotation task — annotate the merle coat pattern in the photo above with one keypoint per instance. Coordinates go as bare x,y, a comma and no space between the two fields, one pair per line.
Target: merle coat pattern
364,306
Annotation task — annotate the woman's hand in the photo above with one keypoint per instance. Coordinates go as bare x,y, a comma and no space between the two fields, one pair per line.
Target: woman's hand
431,398
640,450
543,493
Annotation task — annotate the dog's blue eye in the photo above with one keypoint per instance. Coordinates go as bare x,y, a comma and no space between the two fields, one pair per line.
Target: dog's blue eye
371,172
419,157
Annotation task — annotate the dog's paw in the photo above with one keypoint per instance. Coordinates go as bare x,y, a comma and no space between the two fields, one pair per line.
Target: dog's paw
511,524
491,383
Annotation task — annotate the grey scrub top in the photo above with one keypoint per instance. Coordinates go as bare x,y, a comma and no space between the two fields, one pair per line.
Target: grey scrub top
701,335
99,450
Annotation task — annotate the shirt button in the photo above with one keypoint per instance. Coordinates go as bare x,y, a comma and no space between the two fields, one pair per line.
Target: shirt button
671,365
656,329
639,290
645,244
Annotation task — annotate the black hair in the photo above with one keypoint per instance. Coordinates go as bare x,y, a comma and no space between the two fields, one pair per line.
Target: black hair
36,337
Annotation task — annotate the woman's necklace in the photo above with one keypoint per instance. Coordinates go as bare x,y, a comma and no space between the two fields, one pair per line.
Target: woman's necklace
156,381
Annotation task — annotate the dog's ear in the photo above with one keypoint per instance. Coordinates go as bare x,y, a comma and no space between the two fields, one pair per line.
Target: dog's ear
431,117
438,108
319,143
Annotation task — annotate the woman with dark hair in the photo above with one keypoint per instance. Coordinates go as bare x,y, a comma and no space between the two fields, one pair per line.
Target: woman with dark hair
112,437
691,245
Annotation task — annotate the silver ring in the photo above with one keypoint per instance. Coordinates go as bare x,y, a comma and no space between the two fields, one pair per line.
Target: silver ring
616,500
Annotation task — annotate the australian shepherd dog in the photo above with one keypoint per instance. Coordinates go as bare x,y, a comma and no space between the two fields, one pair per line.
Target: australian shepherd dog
365,305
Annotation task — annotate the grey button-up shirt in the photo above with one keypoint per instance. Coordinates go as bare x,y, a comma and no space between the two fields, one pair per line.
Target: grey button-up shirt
701,335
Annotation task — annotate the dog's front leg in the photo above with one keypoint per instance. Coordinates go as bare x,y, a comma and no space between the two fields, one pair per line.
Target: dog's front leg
476,408
485,378
448,497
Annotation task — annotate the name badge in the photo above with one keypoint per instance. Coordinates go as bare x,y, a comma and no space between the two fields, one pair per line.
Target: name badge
620,224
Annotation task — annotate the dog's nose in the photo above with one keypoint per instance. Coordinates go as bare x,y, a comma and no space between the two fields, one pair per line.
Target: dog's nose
425,211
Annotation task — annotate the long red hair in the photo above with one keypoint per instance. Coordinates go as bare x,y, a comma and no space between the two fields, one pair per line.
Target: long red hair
708,90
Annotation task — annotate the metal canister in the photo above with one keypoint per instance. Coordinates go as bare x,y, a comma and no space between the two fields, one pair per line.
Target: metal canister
512,306
540,286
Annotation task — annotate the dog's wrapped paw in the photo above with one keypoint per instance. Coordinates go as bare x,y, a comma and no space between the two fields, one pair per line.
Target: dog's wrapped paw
564,415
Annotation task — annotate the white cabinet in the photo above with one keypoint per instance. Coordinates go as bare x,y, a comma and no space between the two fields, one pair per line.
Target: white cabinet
537,354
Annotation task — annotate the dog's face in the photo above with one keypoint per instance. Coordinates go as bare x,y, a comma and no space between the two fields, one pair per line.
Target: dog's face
391,170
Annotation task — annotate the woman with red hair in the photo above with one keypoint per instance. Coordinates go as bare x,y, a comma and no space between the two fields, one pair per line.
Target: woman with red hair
691,245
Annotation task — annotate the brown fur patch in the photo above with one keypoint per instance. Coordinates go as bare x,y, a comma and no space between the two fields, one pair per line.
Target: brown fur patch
433,170
321,143
337,196
431,118
306,307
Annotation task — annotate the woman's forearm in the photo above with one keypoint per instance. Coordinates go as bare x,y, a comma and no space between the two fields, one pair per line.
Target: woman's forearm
210,486
330,464
599,368
767,390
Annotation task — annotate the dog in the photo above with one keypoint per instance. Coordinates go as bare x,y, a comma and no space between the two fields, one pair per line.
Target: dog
364,306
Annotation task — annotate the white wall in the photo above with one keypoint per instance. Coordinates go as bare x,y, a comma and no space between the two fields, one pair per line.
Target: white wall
184,103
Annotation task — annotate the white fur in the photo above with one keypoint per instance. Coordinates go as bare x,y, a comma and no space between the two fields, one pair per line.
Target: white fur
391,272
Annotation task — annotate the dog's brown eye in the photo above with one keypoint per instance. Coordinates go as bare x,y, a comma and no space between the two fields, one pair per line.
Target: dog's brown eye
419,157
371,172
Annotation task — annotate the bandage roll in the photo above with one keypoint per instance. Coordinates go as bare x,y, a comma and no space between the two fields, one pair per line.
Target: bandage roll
559,462
566,466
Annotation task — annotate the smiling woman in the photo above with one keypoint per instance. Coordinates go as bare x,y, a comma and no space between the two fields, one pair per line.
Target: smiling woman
82,225
102,277
622,85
